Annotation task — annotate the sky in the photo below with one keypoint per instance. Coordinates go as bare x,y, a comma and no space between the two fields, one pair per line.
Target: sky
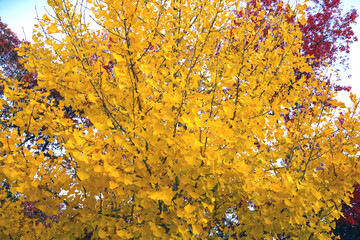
20,15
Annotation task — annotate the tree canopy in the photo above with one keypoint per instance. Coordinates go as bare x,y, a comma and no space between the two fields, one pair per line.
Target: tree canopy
170,117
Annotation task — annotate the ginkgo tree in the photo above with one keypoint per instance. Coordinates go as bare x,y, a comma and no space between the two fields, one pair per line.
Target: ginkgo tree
182,113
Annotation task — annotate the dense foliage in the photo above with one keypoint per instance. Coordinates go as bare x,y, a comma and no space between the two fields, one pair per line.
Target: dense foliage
172,117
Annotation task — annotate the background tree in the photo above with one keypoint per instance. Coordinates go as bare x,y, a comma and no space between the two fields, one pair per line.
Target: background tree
9,60
347,227
179,126
329,33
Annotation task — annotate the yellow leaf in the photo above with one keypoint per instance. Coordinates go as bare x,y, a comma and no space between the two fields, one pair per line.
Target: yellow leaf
92,98
228,110
186,120
155,229
316,194
210,207
190,159
165,196
41,207
113,185
100,125
46,18
109,123
189,208
275,187
53,29
121,233
267,220
40,141
98,168
197,229
83,175
102,233
289,177
10,173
